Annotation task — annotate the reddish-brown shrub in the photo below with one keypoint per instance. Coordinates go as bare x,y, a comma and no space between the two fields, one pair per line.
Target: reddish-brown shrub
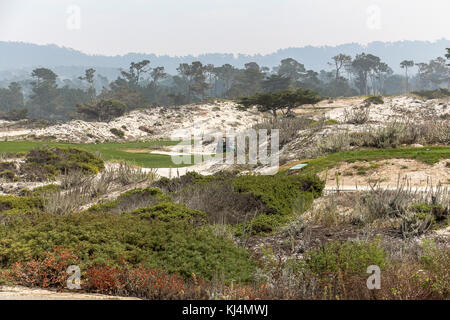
47,272
140,282
103,279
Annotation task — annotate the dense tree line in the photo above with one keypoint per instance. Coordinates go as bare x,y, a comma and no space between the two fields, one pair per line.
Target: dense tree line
142,85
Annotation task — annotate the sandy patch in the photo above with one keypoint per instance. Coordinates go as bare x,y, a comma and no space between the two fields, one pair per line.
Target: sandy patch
387,173
136,150
22,293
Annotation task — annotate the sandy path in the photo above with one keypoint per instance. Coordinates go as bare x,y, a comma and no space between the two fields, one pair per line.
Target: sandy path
23,293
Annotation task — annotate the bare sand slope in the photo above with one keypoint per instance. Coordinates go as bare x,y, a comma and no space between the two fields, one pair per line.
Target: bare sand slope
388,173
154,123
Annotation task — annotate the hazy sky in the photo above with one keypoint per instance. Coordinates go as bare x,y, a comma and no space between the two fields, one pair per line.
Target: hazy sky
179,27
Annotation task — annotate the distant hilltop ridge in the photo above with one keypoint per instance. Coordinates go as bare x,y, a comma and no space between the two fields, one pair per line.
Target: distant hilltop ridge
19,55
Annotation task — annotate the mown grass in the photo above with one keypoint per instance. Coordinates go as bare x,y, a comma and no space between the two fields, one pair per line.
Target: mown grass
108,151
429,155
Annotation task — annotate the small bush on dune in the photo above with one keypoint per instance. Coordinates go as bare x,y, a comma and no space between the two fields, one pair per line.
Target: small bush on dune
117,132
46,163
358,115
102,110
131,200
374,100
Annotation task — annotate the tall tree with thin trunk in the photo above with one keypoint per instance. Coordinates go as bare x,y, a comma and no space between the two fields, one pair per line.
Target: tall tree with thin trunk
340,61
89,78
405,65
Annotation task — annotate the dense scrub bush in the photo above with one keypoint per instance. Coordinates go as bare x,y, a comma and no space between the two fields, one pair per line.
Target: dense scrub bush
10,205
192,178
102,110
46,163
281,195
433,94
220,201
122,280
14,115
270,200
103,239
278,192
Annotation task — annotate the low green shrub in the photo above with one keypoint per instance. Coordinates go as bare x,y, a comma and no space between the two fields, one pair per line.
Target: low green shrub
351,258
278,192
192,178
437,211
10,205
170,211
